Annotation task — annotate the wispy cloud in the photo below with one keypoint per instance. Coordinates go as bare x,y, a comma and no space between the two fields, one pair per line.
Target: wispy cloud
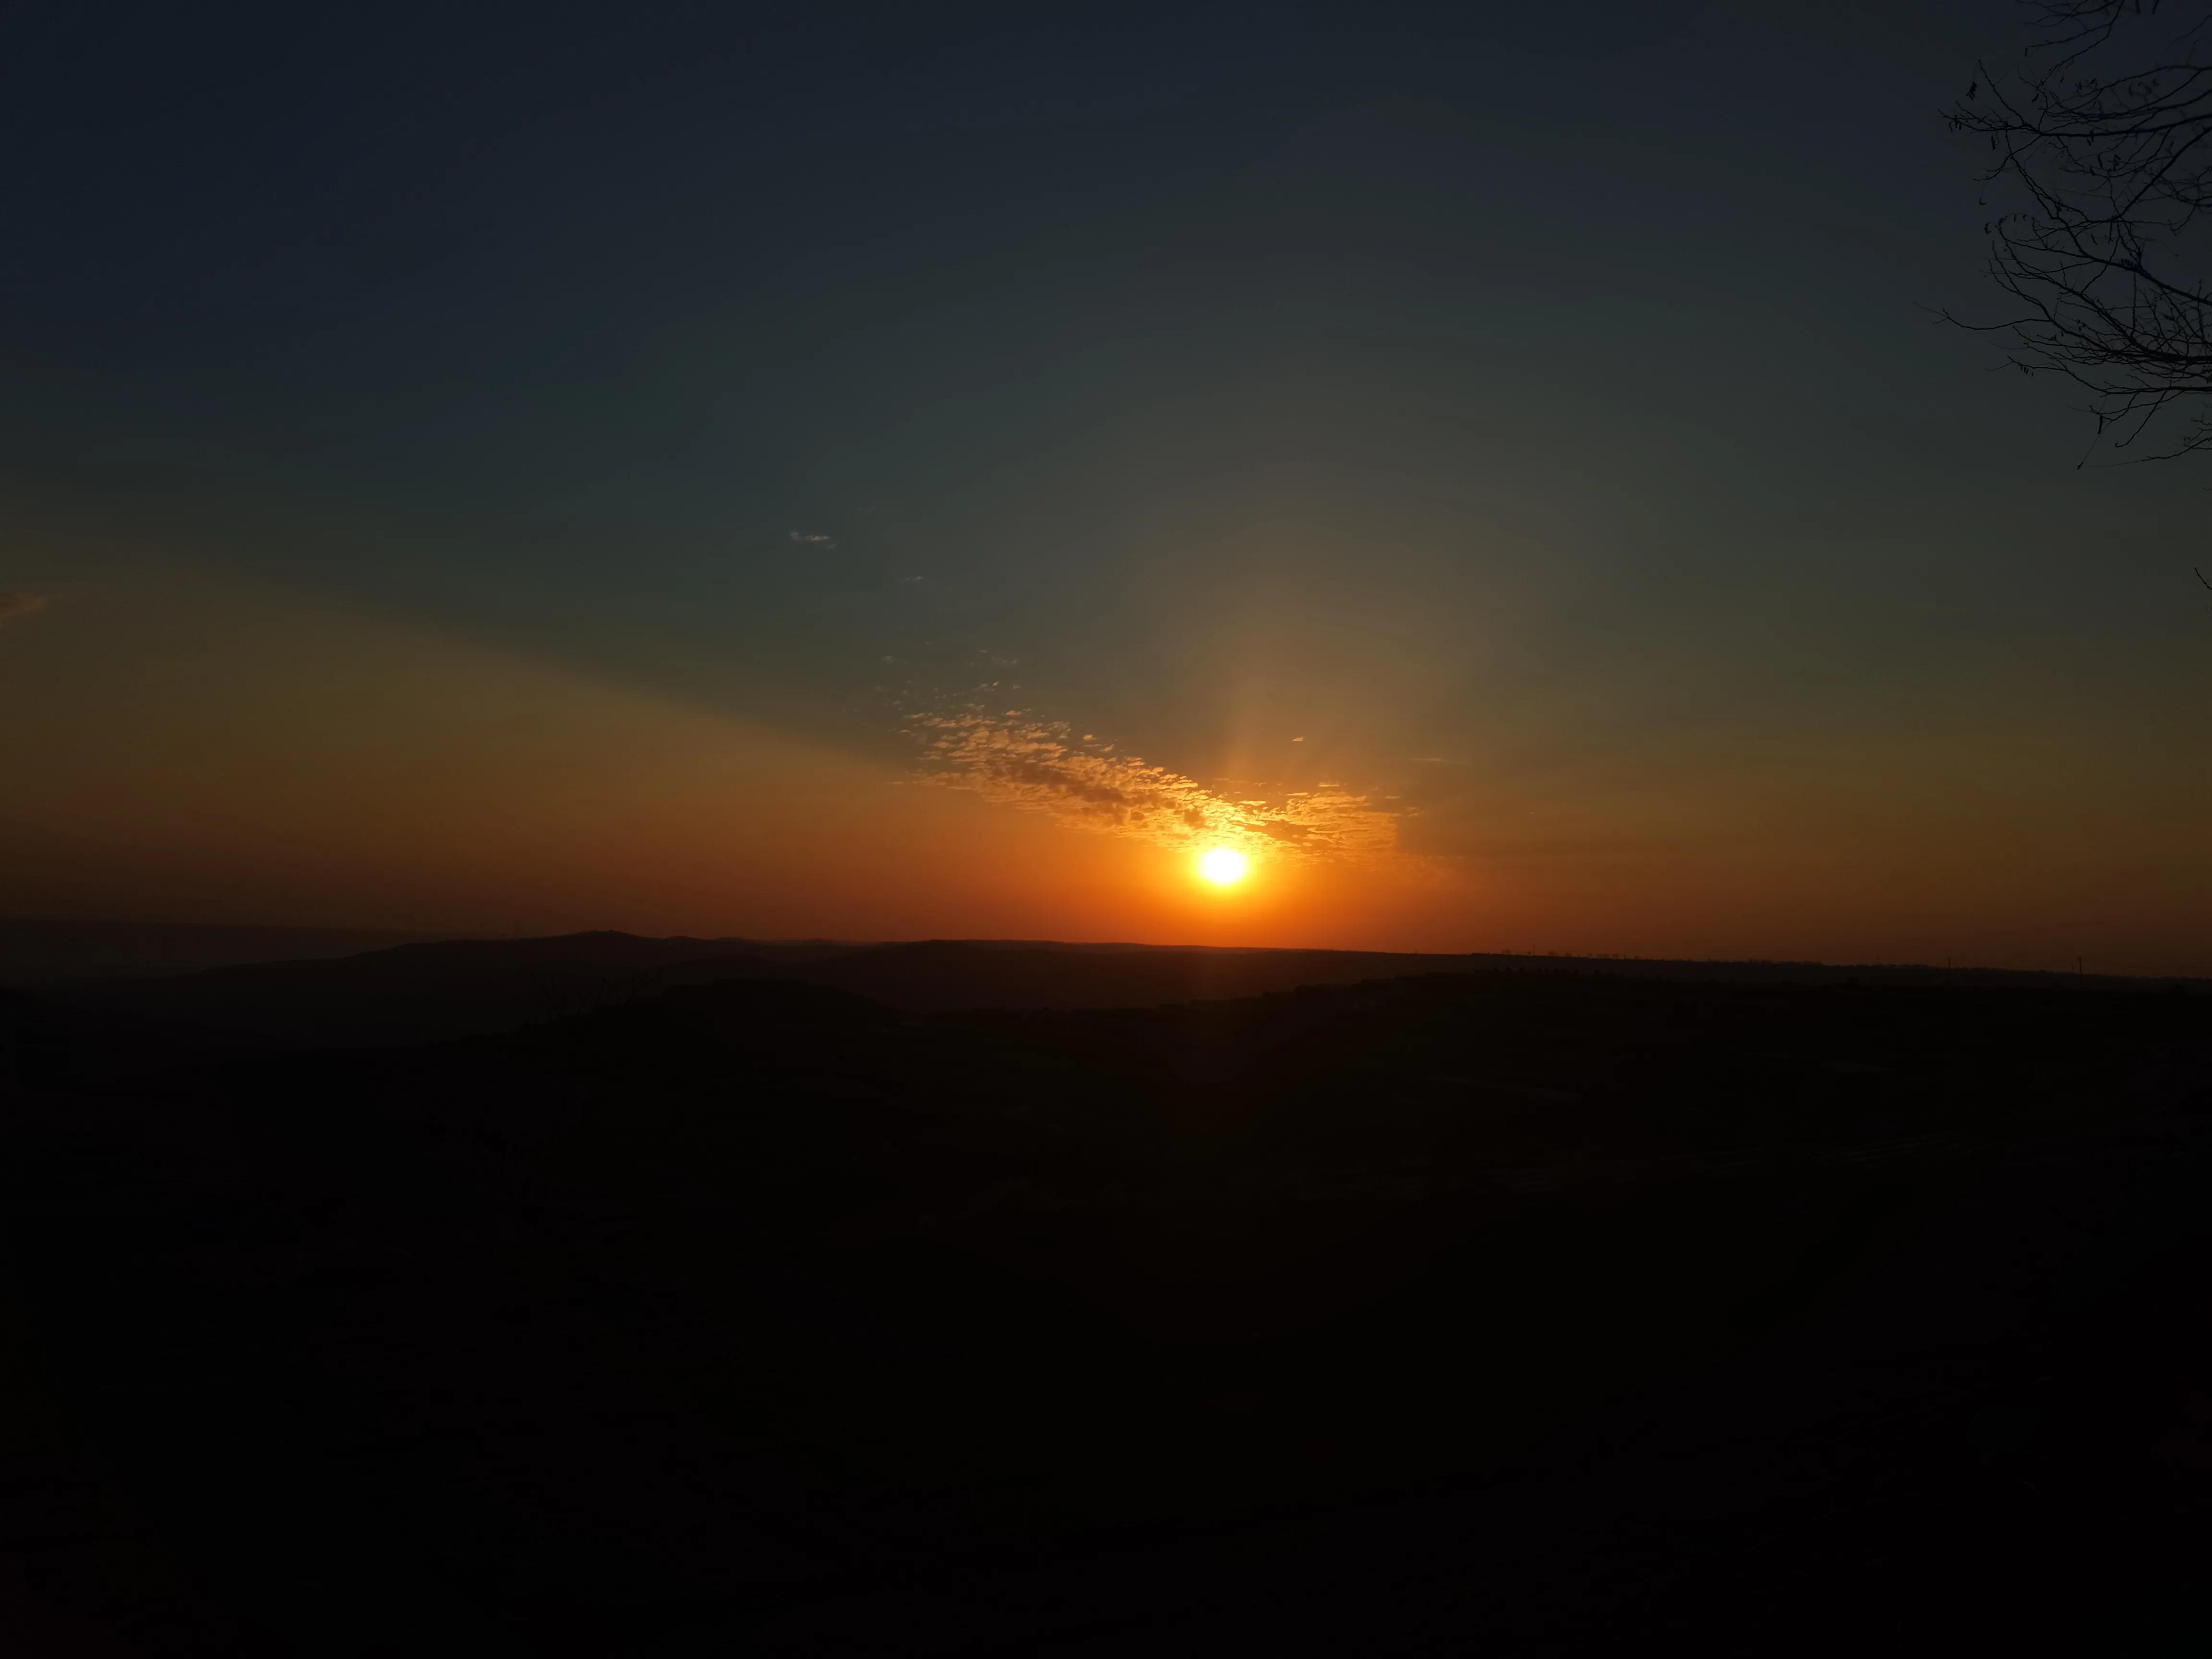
13,605
1046,767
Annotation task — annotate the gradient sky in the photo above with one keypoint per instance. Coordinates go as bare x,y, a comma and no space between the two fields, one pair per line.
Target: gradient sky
930,469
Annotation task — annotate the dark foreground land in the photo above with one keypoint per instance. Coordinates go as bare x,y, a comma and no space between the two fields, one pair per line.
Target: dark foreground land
1494,1311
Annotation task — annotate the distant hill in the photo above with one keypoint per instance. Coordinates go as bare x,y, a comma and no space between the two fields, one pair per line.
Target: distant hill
423,992
33,949
426,991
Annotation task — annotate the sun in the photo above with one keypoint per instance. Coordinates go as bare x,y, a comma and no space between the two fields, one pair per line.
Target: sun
1224,865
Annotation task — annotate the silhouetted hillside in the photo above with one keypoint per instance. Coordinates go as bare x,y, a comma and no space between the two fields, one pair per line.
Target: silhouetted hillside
1505,1312
431,990
425,991
33,950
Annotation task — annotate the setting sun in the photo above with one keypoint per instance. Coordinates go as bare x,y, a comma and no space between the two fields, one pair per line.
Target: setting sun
1224,865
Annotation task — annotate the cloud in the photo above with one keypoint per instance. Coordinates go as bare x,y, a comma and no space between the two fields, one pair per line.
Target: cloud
1042,766
13,605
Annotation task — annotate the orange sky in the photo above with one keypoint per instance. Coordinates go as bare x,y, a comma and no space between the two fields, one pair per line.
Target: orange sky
190,747
784,484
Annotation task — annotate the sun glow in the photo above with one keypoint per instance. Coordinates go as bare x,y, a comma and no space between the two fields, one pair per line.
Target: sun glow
1224,865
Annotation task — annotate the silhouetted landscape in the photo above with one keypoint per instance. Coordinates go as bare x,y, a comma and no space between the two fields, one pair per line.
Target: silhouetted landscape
606,1294
968,830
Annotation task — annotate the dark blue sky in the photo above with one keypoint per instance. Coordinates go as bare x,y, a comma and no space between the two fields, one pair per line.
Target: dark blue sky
1548,391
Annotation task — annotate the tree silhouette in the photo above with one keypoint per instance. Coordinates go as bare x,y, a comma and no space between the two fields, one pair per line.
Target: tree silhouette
2101,146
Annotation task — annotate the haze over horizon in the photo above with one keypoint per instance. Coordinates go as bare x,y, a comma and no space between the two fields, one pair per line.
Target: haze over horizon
838,472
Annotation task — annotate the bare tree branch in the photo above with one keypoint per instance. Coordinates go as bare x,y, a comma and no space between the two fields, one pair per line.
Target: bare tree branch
2102,141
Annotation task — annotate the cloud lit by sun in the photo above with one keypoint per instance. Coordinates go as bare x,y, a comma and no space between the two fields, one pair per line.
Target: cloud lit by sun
1040,765
1224,865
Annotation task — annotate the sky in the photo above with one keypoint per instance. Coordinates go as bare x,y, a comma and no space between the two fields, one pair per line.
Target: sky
933,470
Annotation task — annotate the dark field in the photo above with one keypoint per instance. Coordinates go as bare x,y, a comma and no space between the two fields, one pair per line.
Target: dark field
1520,1310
